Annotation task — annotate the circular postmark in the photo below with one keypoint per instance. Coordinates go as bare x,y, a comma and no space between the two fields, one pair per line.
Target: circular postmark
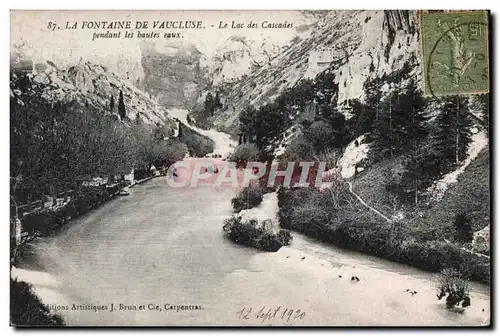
457,62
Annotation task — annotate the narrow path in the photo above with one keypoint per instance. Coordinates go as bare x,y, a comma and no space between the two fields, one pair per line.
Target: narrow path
366,205
390,221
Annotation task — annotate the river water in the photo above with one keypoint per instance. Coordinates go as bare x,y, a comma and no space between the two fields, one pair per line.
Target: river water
162,246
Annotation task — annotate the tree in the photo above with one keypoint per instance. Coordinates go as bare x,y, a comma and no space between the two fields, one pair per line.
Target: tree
481,103
217,102
112,104
340,135
121,106
319,134
247,121
463,229
245,153
209,104
408,134
363,118
381,135
180,126
408,119
299,149
454,134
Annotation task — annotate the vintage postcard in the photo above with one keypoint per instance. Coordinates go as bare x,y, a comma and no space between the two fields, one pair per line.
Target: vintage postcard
250,168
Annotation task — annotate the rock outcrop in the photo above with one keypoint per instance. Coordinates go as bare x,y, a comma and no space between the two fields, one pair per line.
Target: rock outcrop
481,240
355,45
91,85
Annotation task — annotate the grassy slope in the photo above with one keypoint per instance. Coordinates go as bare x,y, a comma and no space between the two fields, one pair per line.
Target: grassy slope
369,185
471,194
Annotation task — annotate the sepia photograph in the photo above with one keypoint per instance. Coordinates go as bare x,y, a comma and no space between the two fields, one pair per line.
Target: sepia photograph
264,168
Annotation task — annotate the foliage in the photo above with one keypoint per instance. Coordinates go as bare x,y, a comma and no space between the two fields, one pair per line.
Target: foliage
299,149
481,104
399,125
150,148
217,101
452,283
112,104
209,104
342,221
55,147
454,135
247,121
197,144
249,197
254,234
244,153
319,134
58,146
121,106
27,310
268,123
463,229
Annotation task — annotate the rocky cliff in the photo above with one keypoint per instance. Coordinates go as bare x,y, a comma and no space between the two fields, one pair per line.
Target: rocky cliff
173,73
354,45
90,85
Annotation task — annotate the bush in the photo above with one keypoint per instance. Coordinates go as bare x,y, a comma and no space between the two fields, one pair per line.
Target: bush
254,234
452,283
197,144
299,149
319,134
244,153
26,309
249,197
168,152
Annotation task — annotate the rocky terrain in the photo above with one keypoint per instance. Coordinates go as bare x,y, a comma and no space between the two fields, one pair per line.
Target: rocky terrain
354,45
91,85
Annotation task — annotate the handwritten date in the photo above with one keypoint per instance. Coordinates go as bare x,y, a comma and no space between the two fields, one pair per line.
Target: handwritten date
267,314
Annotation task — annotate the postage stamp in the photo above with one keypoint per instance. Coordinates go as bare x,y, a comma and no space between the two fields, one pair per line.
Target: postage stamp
455,52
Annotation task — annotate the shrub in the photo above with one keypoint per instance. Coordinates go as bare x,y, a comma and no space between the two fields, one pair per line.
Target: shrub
254,234
319,134
244,153
249,197
168,152
197,144
452,283
299,149
26,309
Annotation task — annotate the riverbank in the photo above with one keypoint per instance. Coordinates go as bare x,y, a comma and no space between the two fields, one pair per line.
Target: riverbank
356,229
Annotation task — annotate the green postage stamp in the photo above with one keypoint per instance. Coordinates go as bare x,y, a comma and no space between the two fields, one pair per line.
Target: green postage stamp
455,52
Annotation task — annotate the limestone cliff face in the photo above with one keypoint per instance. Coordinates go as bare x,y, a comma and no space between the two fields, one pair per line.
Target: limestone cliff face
239,56
355,45
173,73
